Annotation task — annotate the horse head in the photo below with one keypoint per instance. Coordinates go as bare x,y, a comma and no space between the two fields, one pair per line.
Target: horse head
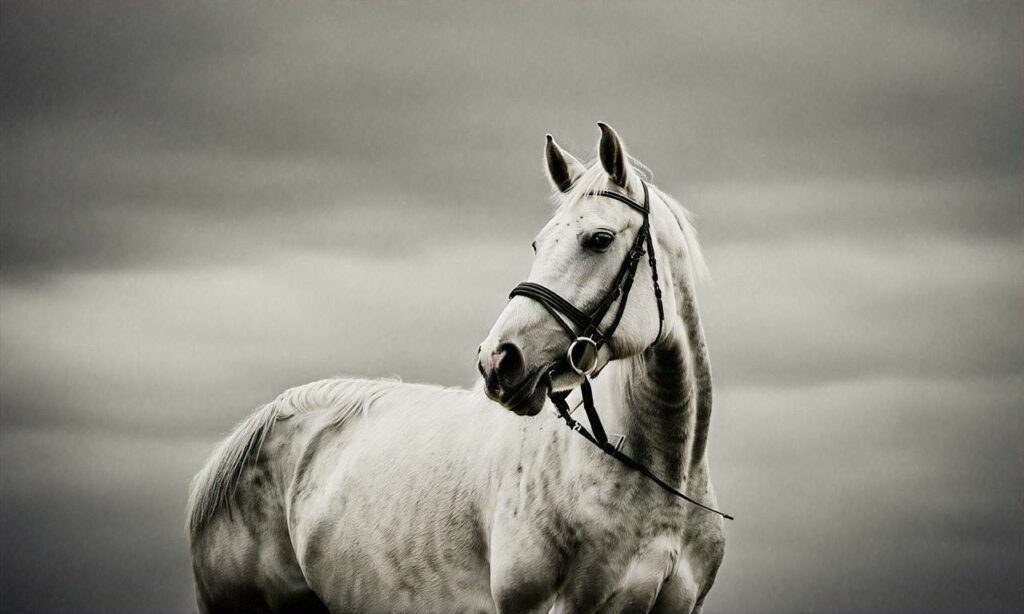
583,259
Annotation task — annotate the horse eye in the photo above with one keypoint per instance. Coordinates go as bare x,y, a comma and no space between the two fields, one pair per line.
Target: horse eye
534,246
599,241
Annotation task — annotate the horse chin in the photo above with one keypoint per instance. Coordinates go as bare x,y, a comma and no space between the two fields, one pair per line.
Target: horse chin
531,405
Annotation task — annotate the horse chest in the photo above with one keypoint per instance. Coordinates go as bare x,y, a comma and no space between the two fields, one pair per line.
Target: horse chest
589,545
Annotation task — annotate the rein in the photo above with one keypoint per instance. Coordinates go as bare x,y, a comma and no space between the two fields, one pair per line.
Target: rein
582,352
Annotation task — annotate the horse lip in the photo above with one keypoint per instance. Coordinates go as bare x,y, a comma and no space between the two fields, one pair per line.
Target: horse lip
513,398
524,392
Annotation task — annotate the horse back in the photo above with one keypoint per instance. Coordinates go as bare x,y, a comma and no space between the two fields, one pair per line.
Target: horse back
242,555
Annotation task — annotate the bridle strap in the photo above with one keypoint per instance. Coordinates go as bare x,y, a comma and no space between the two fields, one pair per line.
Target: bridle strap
600,440
624,285
551,300
622,198
657,288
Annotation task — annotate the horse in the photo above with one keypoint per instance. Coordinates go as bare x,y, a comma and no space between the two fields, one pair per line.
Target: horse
359,495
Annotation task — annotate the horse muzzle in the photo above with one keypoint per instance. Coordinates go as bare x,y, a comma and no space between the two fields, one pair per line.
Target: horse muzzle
508,381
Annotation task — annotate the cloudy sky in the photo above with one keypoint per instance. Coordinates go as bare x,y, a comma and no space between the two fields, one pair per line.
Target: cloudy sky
205,203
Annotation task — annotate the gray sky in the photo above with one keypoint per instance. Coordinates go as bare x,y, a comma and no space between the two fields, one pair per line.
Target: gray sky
205,203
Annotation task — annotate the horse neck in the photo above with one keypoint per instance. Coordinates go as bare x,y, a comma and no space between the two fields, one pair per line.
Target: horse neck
665,396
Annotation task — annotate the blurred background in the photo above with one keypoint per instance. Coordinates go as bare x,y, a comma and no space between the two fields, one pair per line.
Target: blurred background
206,203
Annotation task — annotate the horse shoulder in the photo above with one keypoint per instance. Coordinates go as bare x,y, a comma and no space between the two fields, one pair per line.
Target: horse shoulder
692,568
532,537
675,568
385,512
703,546
645,576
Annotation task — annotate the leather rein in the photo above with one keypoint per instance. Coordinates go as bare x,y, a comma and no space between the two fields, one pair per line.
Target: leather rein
582,352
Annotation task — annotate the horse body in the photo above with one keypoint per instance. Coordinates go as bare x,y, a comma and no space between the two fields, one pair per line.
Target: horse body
379,496
432,501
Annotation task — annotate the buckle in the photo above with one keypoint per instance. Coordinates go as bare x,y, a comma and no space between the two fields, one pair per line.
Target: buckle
582,356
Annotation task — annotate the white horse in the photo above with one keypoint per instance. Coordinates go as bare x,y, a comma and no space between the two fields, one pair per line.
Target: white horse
377,496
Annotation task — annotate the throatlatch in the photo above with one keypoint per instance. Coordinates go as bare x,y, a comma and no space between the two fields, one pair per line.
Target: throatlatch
581,355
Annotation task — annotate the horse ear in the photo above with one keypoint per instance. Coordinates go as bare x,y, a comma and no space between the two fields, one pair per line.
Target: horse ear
613,155
563,168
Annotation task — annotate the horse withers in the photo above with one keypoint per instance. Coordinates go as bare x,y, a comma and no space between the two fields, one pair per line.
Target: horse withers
350,495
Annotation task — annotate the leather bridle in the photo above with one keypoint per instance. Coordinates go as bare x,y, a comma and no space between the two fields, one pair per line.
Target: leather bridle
582,353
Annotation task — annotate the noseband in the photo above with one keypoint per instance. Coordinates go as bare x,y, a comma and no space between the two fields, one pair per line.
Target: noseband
581,355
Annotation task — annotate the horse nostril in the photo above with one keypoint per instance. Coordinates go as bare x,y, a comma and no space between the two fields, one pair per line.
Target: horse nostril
510,364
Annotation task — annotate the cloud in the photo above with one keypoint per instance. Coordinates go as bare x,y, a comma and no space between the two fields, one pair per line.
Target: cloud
116,115
882,494
203,205
154,351
820,310
150,350
101,516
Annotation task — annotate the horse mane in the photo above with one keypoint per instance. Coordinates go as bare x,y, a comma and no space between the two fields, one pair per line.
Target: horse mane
595,178
212,488
684,217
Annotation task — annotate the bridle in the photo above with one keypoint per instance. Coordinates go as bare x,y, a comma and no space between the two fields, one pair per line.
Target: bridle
581,355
